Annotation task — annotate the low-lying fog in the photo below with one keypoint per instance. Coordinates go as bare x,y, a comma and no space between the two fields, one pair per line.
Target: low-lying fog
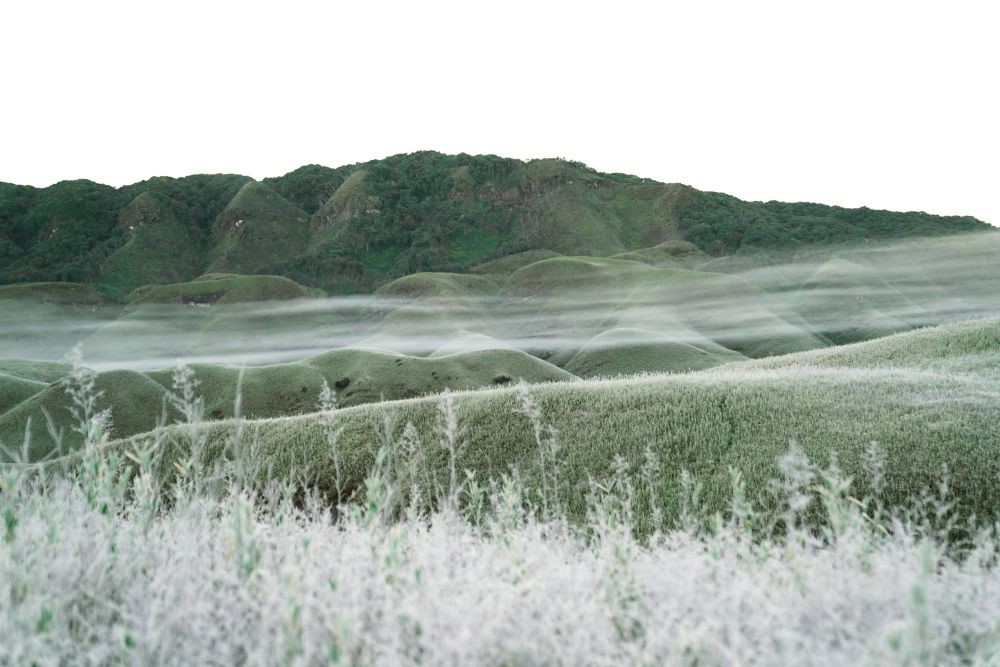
754,304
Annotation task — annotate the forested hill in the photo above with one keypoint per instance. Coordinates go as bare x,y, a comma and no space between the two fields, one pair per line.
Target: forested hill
354,227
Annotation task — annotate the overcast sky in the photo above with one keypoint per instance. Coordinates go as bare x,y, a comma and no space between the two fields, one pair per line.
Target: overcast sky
884,104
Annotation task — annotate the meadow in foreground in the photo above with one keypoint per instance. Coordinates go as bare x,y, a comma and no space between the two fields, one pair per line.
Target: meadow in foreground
129,557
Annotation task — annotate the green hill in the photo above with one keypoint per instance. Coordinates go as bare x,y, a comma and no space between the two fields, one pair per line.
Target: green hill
635,351
353,228
970,347
159,249
850,302
257,229
357,376
220,289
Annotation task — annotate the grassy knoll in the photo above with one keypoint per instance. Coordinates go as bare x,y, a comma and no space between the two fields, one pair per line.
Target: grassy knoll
137,400
221,289
634,351
437,285
511,263
14,390
675,253
970,348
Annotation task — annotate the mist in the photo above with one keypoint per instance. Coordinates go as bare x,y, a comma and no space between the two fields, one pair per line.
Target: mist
743,306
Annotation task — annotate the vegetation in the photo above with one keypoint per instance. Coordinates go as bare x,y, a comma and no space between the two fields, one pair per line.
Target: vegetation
353,228
720,224
222,289
626,351
536,523
480,504
739,415
34,405
65,294
114,564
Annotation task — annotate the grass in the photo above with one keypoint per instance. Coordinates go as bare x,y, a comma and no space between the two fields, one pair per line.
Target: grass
589,296
14,390
677,253
227,289
259,228
69,294
138,399
855,303
967,348
507,265
738,416
626,351
214,554
437,285
348,200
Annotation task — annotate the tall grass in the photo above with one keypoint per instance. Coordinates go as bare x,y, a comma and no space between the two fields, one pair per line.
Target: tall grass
128,558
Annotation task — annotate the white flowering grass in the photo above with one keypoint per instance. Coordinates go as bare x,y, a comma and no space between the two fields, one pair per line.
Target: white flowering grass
110,564
87,578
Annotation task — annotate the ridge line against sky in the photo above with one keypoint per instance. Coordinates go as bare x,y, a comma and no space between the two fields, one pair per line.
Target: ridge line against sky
888,105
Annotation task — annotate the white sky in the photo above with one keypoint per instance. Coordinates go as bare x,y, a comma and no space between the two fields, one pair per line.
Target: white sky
886,104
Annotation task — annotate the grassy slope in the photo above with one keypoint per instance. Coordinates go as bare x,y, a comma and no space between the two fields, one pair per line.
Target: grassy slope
15,390
672,253
969,348
437,285
220,289
511,263
625,351
159,249
702,422
136,399
850,302
257,229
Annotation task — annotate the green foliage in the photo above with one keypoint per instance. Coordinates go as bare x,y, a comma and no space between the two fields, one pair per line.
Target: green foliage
309,187
159,247
720,224
355,227
70,294
631,352
68,229
221,289
256,229
511,263
194,200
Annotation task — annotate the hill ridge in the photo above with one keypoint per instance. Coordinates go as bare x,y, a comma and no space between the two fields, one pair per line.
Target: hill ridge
352,228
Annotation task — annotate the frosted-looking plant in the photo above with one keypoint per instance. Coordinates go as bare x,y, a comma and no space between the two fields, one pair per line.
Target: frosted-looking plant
331,431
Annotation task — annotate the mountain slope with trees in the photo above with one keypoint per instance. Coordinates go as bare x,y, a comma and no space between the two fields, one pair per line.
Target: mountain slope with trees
355,227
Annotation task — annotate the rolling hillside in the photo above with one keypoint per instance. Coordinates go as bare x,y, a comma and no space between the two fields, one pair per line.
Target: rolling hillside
832,402
32,393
